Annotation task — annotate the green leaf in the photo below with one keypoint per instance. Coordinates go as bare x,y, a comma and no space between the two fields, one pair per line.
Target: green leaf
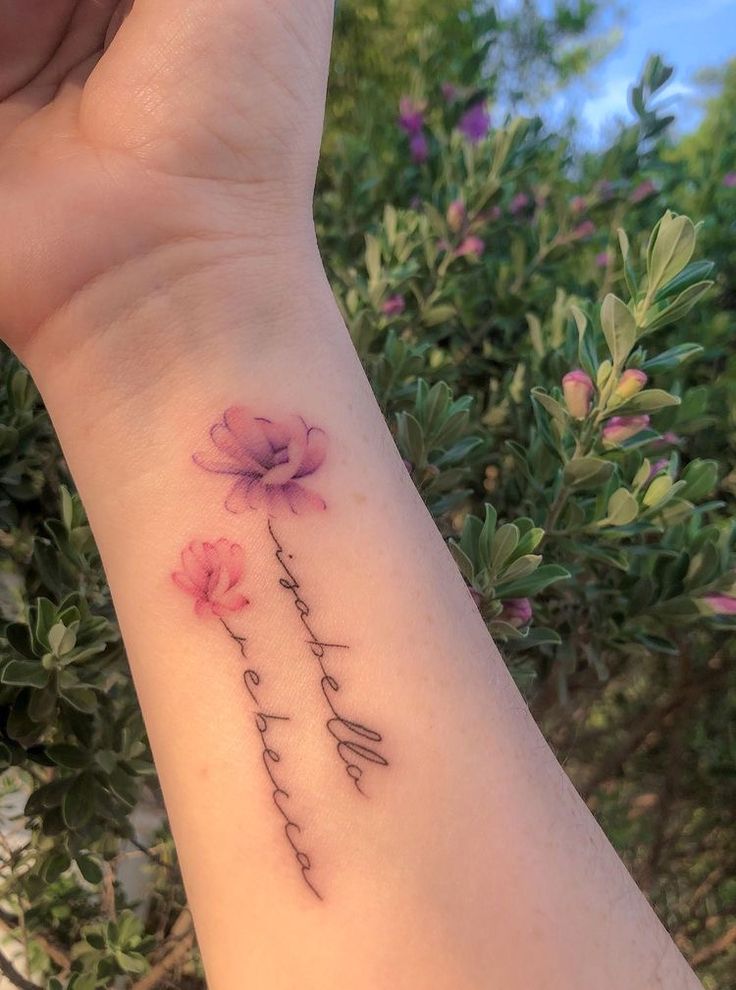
681,306
522,567
90,869
410,437
504,543
698,271
553,407
54,866
71,757
527,587
700,479
79,802
672,358
25,673
619,328
671,246
486,535
587,472
650,400
81,698
622,509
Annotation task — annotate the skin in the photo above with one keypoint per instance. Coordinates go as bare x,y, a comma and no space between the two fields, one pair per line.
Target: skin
158,263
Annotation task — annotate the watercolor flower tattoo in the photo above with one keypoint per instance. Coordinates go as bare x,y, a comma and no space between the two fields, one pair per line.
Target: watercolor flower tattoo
268,459
211,573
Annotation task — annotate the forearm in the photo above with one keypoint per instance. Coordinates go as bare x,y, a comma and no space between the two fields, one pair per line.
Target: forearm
415,827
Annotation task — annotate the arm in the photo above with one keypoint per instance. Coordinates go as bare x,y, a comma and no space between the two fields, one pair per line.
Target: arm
357,792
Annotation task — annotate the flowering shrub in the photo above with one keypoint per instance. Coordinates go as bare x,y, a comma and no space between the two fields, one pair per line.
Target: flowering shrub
550,338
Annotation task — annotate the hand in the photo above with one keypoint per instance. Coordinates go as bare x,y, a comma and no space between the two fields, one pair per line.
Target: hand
130,129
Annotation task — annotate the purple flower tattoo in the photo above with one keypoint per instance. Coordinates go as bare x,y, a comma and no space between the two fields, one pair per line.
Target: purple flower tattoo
268,459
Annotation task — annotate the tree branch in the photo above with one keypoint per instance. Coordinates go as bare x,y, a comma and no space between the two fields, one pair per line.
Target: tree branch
181,940
11,973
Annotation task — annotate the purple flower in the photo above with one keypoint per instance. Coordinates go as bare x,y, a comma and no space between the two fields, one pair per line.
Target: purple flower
578,390
604,189
720,604
619,429
475,122
643,191
517,612
393,306
472,246
419,148
729,180
411,115
602,259
519,203
661,465
267,459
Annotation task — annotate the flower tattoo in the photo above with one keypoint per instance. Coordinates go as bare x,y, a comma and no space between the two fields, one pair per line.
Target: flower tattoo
268,460
211,573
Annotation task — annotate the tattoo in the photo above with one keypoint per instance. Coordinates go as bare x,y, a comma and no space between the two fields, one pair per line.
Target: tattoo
272,757
211,573
345,731
268,461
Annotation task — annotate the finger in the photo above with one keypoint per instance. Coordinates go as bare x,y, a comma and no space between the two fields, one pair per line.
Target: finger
30,33
121,12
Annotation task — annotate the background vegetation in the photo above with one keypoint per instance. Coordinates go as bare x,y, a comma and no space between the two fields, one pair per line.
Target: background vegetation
477,257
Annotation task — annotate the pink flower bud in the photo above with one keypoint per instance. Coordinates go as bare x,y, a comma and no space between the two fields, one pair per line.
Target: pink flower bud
602,259
419,148
618,429
393,306
456,214
519,203
472,246
578,204
729,180
643,191
720,604
632,381
517,612
583,230
578,390
449,91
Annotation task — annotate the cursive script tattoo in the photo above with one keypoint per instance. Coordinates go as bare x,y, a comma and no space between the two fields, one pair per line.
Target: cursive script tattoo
267,462
211,572
271,759
356,743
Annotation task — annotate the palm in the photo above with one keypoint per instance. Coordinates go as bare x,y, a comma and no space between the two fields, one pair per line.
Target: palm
183,122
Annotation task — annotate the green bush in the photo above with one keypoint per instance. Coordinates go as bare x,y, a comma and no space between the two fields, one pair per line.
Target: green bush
549,337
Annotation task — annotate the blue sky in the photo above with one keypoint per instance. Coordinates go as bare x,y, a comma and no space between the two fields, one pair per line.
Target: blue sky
690,34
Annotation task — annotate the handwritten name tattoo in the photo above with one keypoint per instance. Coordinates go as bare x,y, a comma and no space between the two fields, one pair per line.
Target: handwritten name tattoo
352,738
267,462
212,574
271,758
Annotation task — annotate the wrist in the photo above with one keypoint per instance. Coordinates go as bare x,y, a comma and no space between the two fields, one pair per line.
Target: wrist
198,299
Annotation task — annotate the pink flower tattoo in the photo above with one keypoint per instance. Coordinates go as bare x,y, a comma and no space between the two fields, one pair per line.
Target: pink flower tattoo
268,460
211,573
